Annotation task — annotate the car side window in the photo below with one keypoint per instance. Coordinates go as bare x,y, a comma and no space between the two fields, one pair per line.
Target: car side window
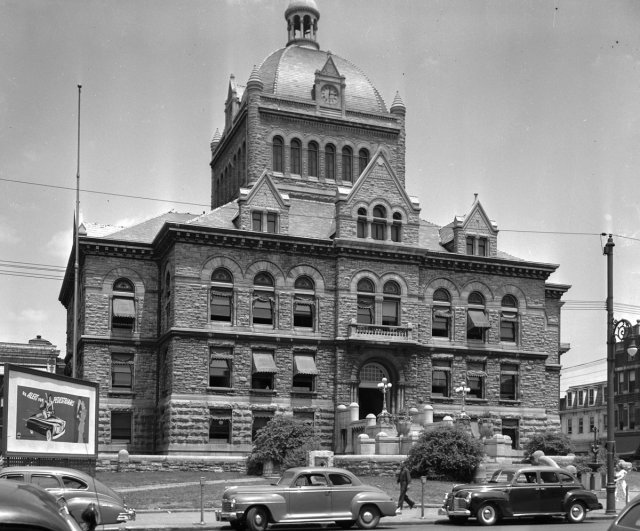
45,481
526,477
317,480
73,483
14,477
339,479
631,519
565,478
548,477
302,481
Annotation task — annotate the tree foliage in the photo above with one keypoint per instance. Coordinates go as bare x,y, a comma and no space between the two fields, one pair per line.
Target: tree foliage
445,453
284,440
551,443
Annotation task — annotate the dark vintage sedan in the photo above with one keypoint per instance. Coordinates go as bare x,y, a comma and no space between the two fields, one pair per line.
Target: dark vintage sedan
26,507
78,489
521,492
304,495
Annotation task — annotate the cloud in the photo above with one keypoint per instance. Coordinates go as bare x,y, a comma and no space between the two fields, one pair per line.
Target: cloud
33,315
59,246
8,234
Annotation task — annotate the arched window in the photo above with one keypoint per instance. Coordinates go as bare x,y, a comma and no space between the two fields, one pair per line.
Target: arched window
362,223
347,164
477,321
123,306
312,159
391,304
304,302
509,319
296,156
278,154
363,160
396,227
263,299
221,295
366,302
379,224
441,321
330,162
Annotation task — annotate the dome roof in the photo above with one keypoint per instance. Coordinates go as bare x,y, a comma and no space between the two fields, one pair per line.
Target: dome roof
290,73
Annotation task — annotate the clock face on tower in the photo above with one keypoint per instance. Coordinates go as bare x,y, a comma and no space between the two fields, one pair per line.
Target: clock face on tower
329,94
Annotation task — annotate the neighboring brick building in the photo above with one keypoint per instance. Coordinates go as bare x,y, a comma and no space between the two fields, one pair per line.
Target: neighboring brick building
311,278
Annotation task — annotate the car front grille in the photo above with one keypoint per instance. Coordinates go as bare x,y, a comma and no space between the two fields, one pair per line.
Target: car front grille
459,503
226,506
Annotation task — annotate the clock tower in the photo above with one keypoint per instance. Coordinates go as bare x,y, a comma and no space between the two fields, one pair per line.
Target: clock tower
329,87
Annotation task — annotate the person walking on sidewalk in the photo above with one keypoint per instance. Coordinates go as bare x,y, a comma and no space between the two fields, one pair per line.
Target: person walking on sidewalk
404,478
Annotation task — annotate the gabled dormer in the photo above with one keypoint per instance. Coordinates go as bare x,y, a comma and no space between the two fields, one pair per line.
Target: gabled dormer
473,234
262,208
377,208
329,87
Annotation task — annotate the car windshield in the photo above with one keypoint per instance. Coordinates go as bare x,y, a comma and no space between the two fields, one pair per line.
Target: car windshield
502,476
286,478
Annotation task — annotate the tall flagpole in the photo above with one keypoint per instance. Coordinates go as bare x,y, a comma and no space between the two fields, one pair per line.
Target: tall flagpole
76,267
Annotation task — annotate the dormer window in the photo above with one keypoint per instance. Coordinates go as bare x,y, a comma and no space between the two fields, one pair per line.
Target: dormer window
362,223
264,221
379,223
396,227
477,246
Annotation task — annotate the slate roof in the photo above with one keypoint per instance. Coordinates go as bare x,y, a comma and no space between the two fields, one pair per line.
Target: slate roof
290,73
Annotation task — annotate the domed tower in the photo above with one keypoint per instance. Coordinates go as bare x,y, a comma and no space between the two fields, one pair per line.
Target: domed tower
310,118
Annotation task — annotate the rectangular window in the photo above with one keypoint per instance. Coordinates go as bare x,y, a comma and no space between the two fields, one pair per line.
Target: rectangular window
622,388
592,397
470,245
256,221
121,426
272,222
508,381
263,369
569,426
390,311
366,310
362,228
441,378
482,247
592,424
475,379
440,325
569,399
123,315
121,372
396,232
303,311
378,230
219,372
221,303
263,304
477,323
581,395
304,373
220,426
580,425
631,378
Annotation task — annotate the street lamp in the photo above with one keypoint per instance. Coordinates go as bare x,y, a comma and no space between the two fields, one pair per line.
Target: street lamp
384,386
462,388
616,331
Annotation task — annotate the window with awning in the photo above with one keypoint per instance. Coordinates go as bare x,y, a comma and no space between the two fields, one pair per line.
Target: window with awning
123,313
263,369
478,319
304,372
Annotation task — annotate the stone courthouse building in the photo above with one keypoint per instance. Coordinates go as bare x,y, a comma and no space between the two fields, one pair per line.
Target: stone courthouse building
311,278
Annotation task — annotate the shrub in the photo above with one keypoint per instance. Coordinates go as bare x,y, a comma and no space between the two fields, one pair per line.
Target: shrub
552,443
285,441
445,453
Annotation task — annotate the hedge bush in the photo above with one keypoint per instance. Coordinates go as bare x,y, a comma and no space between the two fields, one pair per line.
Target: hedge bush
551,443
445,453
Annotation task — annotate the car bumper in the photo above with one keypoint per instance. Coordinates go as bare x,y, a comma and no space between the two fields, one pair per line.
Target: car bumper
443,511
230,516
127,515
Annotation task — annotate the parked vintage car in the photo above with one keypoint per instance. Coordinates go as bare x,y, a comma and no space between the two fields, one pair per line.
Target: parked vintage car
304,495
28,507
628,518
78,488
521,492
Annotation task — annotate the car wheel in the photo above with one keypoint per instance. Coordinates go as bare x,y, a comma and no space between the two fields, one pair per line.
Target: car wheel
257,519
345,524
458,519
576,512
487,514
368,517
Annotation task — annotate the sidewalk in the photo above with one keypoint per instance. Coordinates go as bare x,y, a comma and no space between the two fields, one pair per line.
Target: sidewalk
183,520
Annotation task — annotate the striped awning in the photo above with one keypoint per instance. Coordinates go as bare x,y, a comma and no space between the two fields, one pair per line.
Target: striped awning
263,362
304,364
124,308
478,319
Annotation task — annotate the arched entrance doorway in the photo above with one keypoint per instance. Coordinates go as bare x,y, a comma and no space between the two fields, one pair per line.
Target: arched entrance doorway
369,396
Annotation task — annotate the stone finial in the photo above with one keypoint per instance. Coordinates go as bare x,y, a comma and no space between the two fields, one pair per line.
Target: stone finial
398,106
254,80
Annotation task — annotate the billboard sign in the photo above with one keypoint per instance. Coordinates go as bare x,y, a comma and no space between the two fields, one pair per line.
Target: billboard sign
48,414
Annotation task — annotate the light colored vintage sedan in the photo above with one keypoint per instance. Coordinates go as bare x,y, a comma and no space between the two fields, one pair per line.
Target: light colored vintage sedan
304,495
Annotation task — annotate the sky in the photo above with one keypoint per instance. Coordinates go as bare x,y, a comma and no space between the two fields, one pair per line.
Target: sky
534,105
